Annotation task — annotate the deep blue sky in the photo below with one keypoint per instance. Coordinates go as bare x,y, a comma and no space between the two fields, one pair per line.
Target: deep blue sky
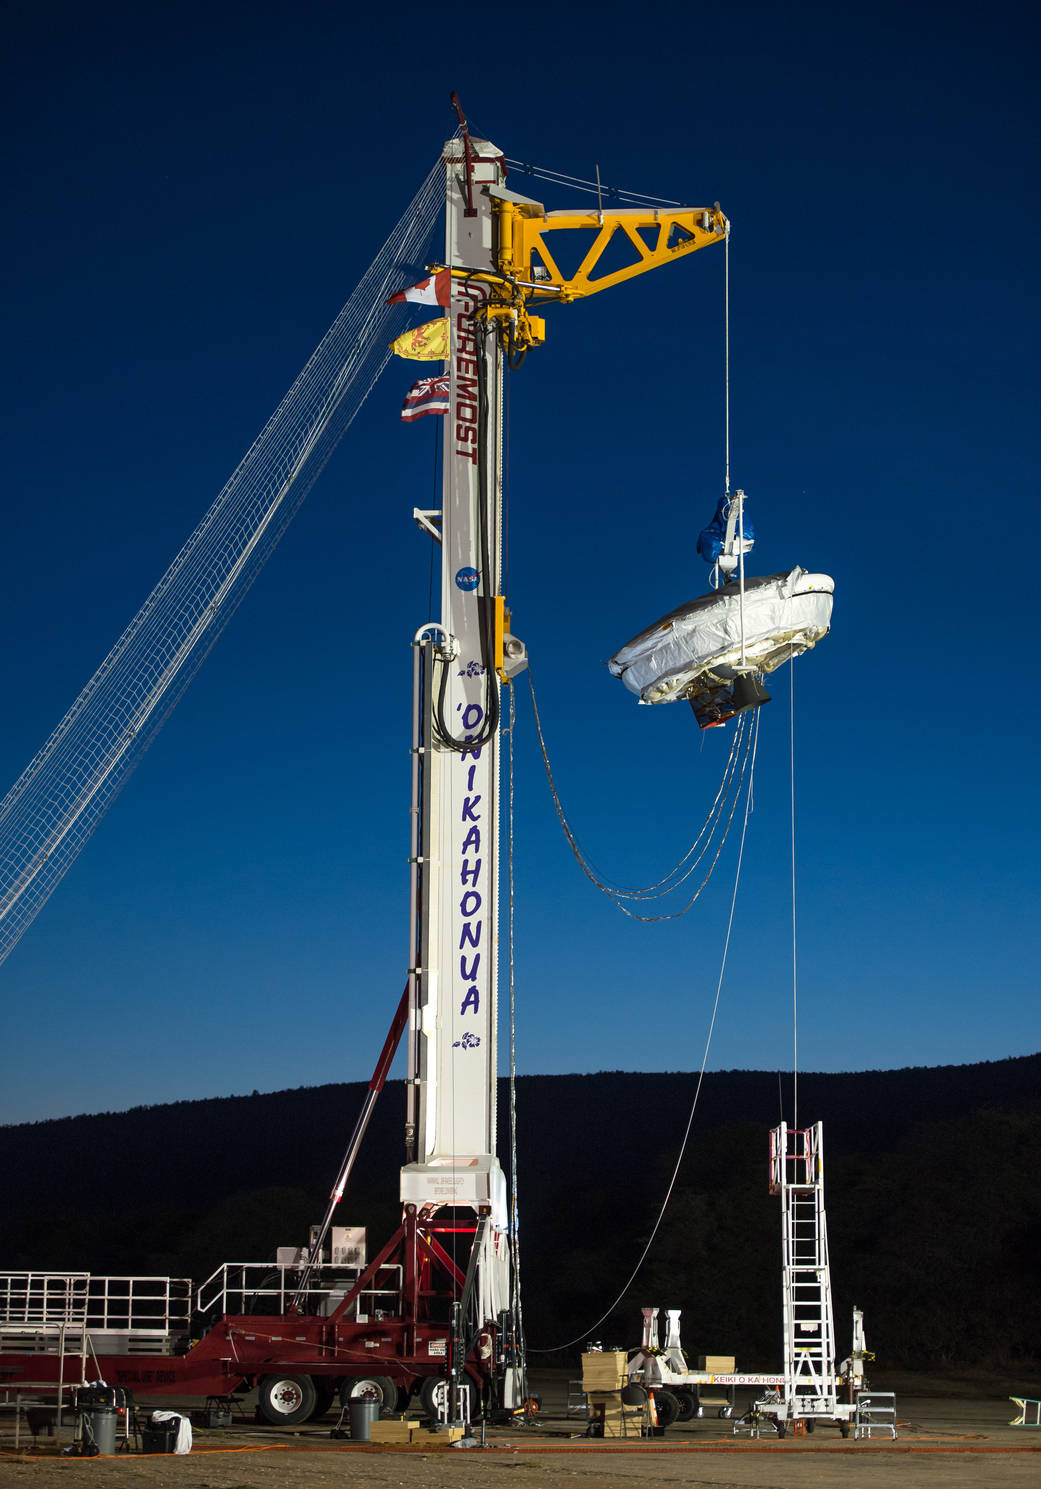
193,192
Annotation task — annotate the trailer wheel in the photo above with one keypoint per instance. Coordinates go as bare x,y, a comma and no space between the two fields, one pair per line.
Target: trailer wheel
782,1427
633,1394
726,1412
286,1399
688,1406
667,1406
844,1428
373,1387
434,1396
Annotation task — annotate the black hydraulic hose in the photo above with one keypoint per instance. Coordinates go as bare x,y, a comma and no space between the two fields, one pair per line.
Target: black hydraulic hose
484,487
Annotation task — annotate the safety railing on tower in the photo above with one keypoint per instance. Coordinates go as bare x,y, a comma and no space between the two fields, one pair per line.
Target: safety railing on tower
271,1288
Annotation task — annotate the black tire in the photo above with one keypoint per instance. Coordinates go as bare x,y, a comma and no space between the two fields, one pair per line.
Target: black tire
810,1424
668,1408
782,1427
434,1393
688,1406
633,1394
432,1396
844,1428
325,1394
375,1387
285,1400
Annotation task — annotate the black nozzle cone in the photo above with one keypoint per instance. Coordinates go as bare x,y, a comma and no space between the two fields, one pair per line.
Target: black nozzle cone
748,692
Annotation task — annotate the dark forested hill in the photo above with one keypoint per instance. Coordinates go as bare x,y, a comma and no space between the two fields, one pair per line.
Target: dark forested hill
933,1200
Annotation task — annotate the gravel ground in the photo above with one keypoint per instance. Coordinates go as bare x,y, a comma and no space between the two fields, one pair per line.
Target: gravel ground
943,1441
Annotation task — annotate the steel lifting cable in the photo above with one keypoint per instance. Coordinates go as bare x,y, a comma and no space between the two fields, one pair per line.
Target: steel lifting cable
729,788
600,879
591,188
712,822
514,1232
585,1334
726,363
795,968
657,891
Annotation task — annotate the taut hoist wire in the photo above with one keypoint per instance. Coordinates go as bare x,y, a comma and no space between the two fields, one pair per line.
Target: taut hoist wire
585,1334
514,1230
795,967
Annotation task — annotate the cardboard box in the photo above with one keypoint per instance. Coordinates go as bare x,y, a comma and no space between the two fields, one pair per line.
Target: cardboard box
717,1364
604,1370
616,1420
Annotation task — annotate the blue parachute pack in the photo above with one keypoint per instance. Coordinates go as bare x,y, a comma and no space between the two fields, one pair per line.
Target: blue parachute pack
712,538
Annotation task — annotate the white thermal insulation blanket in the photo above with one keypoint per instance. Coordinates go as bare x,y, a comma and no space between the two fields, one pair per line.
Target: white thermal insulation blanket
183,1441
698,645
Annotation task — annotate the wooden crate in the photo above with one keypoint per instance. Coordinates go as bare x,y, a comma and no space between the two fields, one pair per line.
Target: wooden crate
604,1370
717,1364
616,1420
391,1431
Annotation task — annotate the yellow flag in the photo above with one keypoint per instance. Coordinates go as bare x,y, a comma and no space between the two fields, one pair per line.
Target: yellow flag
427,343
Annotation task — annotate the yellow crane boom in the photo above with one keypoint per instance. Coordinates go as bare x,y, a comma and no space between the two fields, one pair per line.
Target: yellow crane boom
529,273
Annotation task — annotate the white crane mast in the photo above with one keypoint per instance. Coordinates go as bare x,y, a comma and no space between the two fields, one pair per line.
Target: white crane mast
452,973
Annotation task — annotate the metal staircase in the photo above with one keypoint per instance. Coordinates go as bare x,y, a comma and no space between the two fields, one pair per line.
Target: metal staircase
46,1313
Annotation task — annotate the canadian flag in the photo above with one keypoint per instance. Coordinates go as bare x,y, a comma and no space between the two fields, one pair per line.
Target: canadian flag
437,290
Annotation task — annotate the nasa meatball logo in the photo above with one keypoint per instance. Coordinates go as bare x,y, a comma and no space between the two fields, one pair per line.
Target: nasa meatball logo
467,578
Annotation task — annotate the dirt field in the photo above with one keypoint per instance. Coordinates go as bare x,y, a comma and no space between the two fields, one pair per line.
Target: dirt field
964,1442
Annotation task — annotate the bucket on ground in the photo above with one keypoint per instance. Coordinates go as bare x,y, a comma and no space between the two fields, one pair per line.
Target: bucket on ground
364,1411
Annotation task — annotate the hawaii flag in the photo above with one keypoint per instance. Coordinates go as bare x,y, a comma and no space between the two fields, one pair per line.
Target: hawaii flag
428,396
436,290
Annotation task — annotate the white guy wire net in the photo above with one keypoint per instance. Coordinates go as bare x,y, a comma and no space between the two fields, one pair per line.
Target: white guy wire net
53,807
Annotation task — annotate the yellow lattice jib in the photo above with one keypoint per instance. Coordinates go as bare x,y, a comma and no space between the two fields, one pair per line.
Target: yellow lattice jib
647,236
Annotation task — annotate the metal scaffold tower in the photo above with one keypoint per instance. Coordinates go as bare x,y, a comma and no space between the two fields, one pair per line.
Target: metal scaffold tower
797,1175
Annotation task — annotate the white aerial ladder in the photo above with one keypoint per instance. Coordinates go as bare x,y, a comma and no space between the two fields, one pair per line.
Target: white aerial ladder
808,1389
811,1381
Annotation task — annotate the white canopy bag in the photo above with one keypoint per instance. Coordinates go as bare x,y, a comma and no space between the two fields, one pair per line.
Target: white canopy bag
698,646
